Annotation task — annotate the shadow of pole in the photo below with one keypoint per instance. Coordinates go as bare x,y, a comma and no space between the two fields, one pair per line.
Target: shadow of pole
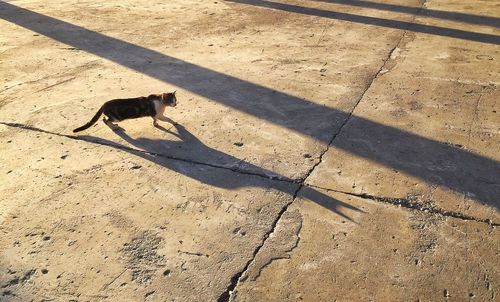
415,27
437,14
210,176
426,159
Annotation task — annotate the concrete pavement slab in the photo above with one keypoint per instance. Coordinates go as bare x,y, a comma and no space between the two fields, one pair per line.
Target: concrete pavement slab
244,74
384,254
405,91
427,128
86,221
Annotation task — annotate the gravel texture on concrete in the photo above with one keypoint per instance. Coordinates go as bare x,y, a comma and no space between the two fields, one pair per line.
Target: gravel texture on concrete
325,150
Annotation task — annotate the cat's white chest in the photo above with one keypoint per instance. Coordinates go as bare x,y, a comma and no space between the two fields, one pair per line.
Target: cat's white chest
159,107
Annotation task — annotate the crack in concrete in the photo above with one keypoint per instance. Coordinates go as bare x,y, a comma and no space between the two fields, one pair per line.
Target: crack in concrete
348,117
235,280
412,203
225,296
113,280
272,259
130,149
198,254
279,247
473,120
56,84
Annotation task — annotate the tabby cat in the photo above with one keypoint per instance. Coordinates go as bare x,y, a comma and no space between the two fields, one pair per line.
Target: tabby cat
121,109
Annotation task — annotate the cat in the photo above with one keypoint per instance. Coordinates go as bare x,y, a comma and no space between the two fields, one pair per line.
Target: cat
121,109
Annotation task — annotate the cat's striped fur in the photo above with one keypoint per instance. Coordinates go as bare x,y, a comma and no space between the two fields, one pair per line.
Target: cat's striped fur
121,109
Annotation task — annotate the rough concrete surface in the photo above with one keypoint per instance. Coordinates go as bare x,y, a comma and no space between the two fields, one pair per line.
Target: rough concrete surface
326,150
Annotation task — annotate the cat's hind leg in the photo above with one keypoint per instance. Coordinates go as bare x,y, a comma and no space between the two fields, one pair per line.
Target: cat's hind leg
109,122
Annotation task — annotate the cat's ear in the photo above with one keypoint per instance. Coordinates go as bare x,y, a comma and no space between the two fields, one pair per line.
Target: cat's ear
174,92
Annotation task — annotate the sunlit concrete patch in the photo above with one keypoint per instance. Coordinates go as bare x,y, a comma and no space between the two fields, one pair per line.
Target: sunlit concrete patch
205,209
248,84
284,238
385,253
426,128
93,222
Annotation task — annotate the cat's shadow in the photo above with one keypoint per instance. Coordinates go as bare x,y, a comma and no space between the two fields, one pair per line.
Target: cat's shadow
217,177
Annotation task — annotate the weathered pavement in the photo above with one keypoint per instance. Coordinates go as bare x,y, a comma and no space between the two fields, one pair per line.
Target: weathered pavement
326,150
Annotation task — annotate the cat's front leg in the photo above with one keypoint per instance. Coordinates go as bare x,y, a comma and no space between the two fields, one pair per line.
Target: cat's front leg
155,121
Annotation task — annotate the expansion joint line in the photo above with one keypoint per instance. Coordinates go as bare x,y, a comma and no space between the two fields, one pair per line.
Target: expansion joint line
413,204
235,280
149,153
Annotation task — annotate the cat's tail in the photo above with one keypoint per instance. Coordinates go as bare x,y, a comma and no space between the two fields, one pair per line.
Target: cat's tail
92,121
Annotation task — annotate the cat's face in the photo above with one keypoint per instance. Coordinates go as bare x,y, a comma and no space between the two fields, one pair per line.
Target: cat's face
169,99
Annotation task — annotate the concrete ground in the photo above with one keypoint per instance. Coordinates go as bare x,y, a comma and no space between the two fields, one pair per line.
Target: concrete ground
327,150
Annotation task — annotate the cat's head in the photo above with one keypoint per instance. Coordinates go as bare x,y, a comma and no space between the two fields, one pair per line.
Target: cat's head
169,99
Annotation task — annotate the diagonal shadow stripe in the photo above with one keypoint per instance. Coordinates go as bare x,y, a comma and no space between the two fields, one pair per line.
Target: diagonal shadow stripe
415,27
144,148
432,13
426,159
